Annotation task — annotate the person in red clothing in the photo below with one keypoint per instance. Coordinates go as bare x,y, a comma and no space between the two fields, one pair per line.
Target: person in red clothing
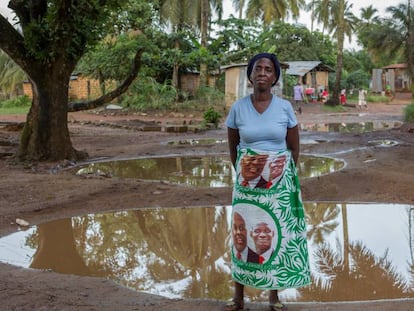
343,97
325,95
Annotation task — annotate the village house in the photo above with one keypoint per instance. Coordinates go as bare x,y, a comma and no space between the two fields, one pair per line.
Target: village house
312,74
394,76
80,88
237,85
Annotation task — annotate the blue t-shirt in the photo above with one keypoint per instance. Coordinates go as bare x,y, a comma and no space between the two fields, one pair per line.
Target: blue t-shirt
263,131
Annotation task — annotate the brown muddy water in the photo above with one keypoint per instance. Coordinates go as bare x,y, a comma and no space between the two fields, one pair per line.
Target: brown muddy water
358,251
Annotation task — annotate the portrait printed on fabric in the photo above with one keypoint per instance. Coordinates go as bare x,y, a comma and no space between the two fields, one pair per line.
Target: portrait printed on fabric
255,234
261,170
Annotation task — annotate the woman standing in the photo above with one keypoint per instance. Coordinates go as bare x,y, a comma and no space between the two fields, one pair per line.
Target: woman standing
263,137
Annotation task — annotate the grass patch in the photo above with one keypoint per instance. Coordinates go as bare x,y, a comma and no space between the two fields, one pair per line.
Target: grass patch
18,105
14,110
409,113
337,108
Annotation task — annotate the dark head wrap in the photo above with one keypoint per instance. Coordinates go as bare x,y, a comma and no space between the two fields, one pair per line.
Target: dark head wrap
270,56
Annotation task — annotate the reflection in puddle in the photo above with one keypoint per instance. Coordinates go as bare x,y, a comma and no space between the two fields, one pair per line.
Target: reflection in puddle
358,127
211,171
383,143
358,251
198,142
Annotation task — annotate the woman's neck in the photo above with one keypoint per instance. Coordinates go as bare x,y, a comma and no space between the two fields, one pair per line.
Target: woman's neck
261,101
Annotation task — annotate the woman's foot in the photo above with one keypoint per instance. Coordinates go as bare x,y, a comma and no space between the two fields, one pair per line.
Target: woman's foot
277,306
234,306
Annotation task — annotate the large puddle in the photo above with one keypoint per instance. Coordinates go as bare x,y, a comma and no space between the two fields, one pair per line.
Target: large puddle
353,127
357,251
212,171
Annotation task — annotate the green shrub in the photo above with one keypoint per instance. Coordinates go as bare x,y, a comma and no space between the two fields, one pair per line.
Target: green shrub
212,116
378,99
147,94
18,102
409,113
209,96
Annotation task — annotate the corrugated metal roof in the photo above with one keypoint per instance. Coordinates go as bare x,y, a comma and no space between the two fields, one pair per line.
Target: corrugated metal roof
301,68
283,65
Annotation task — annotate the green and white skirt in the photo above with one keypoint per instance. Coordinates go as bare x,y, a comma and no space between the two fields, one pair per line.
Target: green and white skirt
269,247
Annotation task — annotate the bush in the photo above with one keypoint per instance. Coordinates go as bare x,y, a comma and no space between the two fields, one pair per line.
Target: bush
209,96
409,113
147,94
212,116
18,102
378,99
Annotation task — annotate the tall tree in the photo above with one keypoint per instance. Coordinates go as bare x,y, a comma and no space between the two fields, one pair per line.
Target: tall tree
391,39
238,5
270,10
338,27
403,18
53,36
196,15
337,17
180,15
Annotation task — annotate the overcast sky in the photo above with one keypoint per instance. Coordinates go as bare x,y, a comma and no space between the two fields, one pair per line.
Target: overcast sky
380,5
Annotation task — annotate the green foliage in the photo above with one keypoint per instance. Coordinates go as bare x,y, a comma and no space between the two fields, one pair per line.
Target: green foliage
147,94
209,96
11,76
17,105
357,79
212,116
408,113
333,108
290,82
372,98
18,102
358,61
296,42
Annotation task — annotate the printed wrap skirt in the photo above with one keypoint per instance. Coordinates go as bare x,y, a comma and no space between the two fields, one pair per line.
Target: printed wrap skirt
268,234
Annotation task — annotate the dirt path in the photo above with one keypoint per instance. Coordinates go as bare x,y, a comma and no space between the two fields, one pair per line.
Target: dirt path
41,193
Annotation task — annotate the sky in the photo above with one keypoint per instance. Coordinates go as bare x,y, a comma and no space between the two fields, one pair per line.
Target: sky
304,19
380,5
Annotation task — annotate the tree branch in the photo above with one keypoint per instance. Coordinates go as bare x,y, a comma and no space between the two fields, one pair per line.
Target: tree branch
136,65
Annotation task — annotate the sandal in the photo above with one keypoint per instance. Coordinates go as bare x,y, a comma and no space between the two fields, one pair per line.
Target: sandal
234,306
277,306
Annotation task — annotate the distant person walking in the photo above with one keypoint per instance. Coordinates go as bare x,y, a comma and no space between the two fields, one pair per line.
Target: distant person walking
298,97
362,102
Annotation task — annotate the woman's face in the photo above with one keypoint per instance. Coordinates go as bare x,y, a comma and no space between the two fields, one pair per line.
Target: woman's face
263,73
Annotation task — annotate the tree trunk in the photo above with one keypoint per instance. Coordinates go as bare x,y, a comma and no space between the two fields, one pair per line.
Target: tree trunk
46,135
340,52
205,13
176,67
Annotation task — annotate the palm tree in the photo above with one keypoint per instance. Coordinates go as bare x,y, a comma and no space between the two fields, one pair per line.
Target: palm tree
180,14
336,16
239,6
368,15
270,10
368,277
320,12
11,76
321,219
341,25
188,14
403,16
392,39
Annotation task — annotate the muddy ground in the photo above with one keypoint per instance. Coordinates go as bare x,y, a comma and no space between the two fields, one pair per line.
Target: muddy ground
44,192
